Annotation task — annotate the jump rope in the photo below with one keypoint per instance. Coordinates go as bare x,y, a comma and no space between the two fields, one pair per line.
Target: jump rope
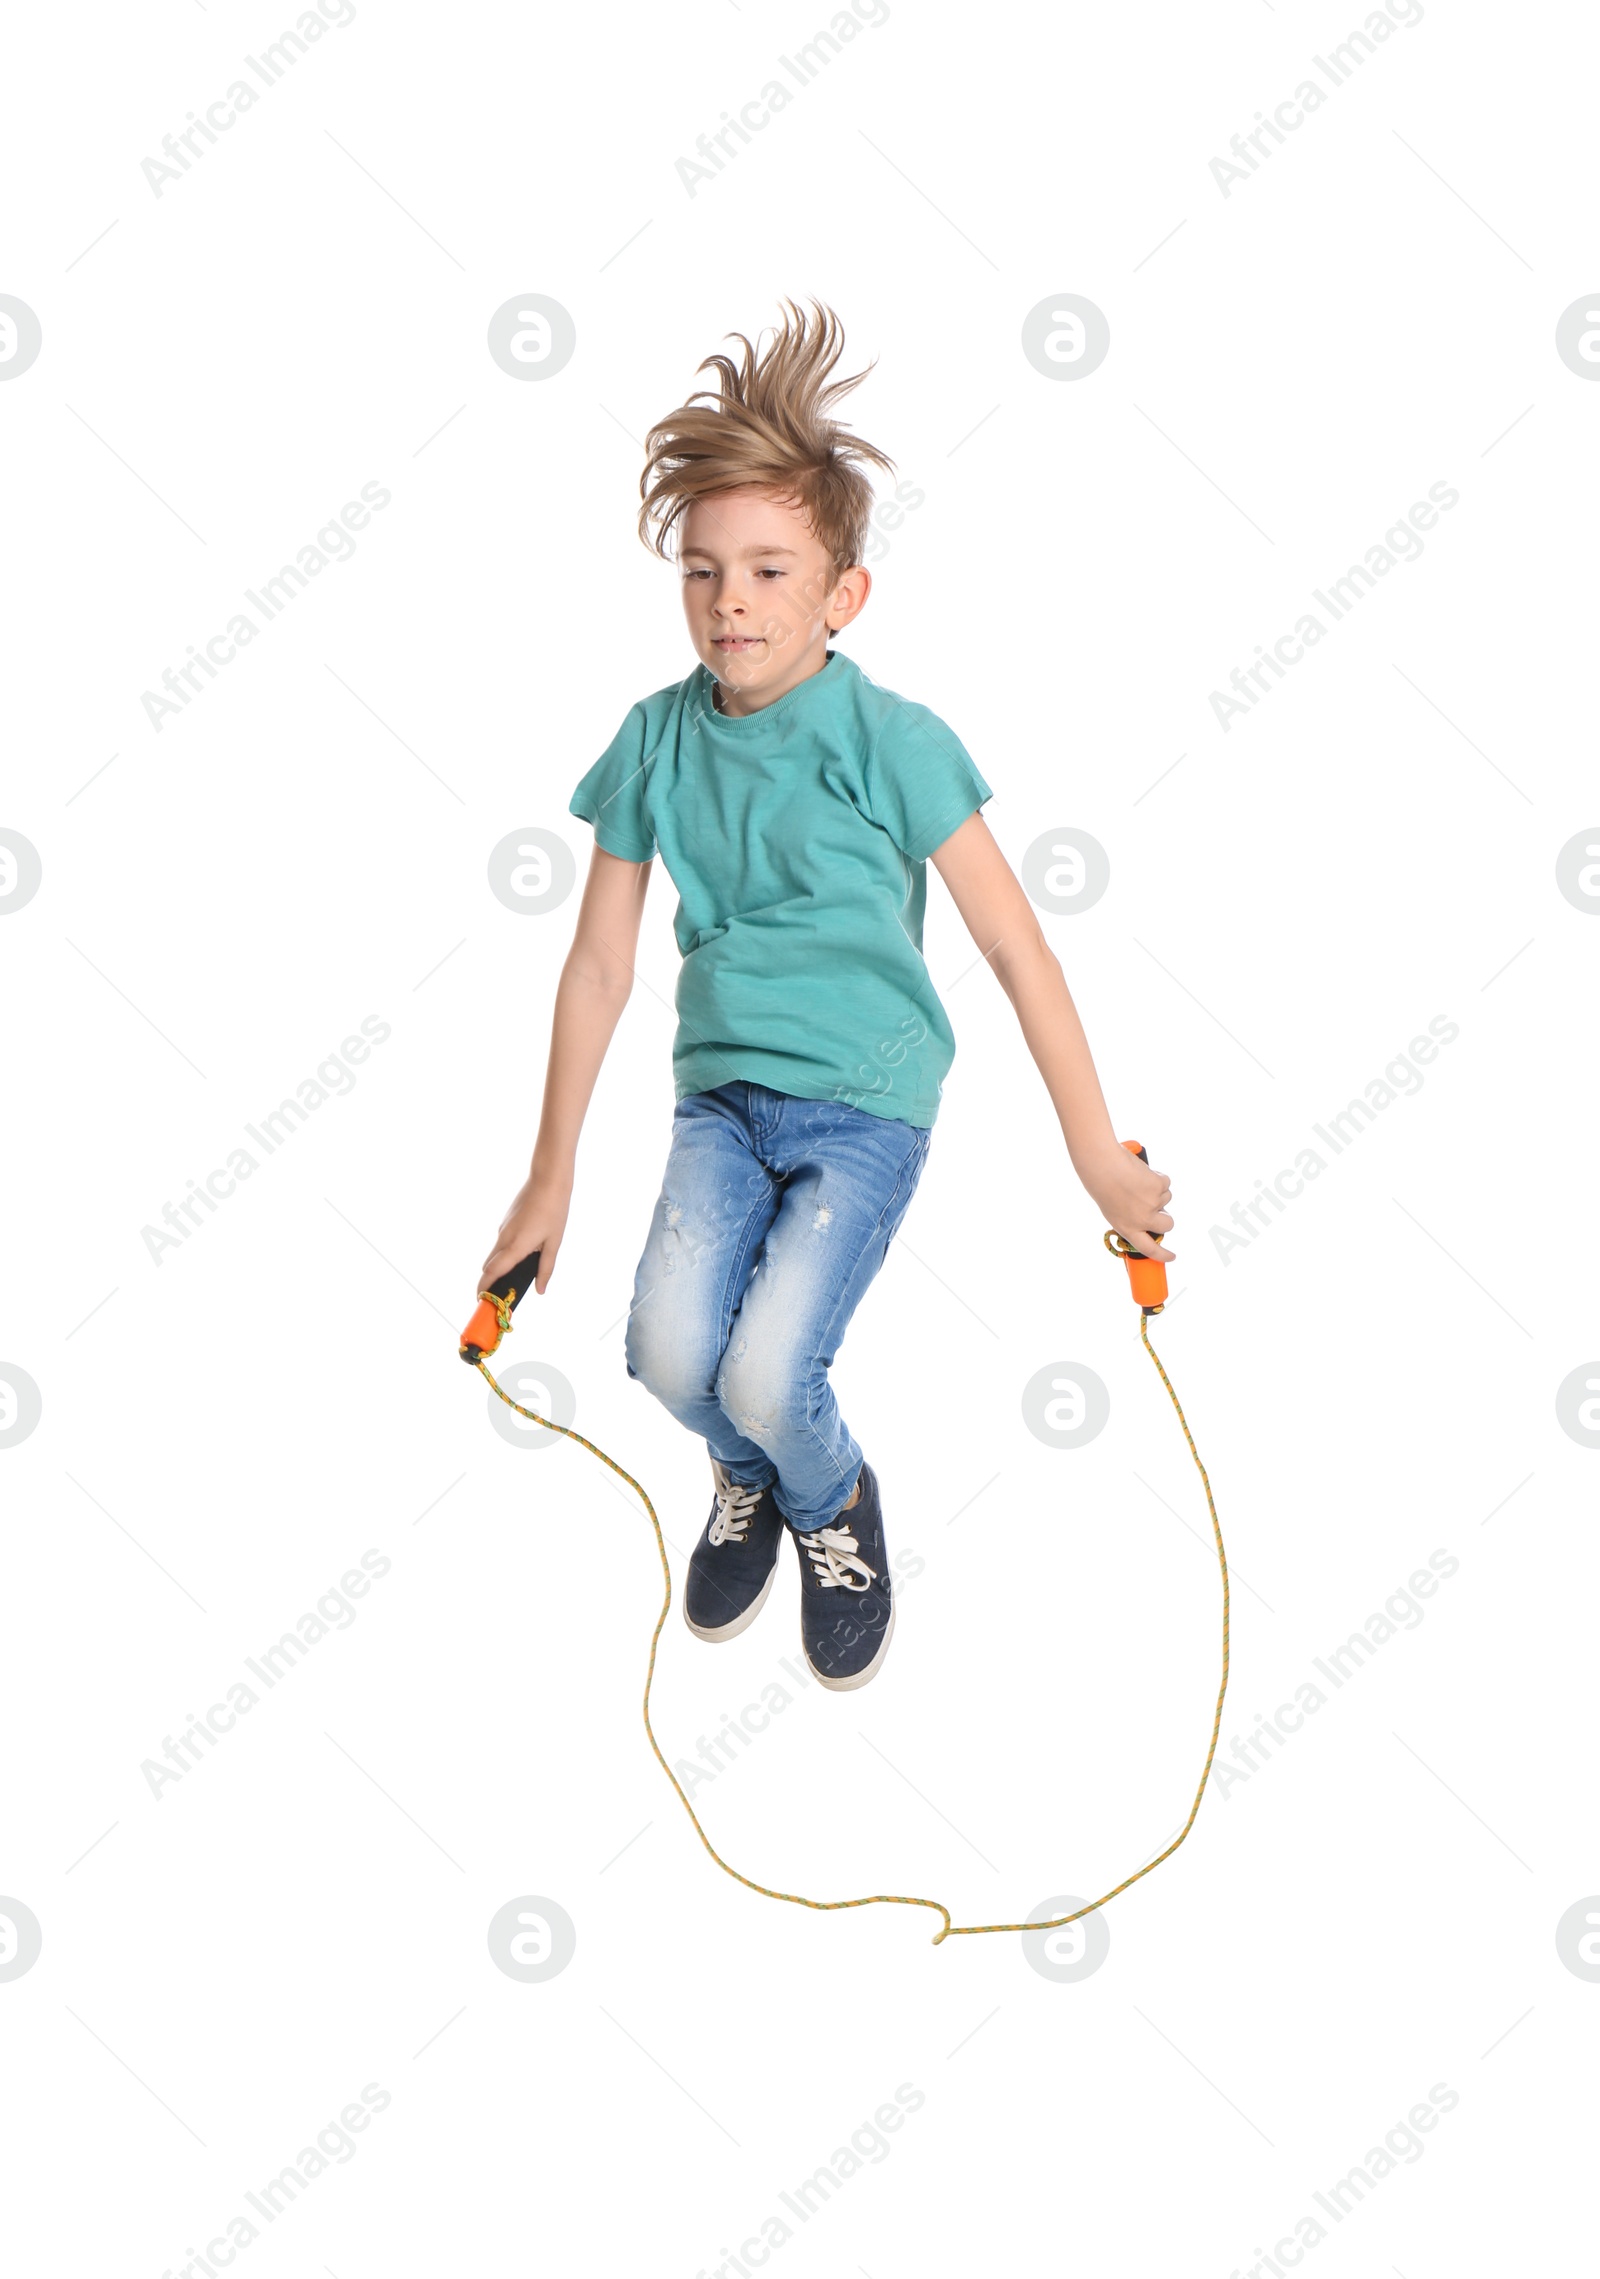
1147,1280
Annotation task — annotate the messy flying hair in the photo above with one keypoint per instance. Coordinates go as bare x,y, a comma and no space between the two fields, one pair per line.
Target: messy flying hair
767,427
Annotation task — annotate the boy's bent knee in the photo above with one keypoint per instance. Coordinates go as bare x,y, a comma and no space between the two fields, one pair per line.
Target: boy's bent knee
667,1365
763,1401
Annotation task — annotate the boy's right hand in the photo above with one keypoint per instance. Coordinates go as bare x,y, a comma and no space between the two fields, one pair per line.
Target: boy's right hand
536,1221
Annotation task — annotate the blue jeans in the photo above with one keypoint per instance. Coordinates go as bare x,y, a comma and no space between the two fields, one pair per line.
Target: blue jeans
775,1213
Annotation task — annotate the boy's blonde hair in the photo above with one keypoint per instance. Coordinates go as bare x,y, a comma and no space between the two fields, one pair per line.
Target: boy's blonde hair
767,427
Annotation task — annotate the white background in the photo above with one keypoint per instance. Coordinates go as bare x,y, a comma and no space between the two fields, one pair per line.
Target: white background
1368,1914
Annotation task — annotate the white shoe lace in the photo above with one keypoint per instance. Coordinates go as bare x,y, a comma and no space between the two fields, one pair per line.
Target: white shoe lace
832,1550
736,1506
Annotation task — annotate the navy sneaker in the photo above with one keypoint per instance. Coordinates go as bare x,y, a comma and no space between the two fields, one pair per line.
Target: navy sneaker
846,1599
732,1565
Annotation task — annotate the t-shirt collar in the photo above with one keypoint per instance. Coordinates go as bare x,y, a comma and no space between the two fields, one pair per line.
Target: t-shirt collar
745,722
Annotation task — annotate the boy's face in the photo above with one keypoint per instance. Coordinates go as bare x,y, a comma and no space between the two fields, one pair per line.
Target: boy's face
760,595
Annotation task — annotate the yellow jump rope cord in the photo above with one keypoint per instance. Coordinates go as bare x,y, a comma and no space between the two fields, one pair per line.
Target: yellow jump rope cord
893,1898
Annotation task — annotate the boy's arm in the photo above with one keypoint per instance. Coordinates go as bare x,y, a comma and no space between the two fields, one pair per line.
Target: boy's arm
1001,920
595,984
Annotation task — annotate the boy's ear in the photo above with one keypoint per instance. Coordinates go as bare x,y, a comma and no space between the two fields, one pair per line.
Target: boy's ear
849,597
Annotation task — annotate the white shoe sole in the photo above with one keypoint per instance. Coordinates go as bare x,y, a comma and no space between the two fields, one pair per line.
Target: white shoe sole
740,1621
862,1677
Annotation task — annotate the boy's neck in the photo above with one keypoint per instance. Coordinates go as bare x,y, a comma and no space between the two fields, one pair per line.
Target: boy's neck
738,704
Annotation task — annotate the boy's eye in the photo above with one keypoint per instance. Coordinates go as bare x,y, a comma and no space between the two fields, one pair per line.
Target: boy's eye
769,573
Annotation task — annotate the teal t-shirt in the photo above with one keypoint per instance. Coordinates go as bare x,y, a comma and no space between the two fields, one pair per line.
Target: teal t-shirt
797,839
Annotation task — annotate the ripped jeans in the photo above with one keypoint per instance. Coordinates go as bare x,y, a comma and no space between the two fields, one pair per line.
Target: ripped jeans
775,1213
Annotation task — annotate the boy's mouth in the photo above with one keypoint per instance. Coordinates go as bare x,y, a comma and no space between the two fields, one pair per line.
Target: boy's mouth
735,644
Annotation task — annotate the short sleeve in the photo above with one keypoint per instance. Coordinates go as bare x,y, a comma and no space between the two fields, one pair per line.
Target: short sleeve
921,781
612,794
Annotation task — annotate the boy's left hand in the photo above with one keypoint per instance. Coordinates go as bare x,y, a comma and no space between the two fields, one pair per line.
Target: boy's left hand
1134,1199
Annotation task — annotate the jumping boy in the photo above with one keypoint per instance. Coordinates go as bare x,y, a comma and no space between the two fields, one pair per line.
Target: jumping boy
796,805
